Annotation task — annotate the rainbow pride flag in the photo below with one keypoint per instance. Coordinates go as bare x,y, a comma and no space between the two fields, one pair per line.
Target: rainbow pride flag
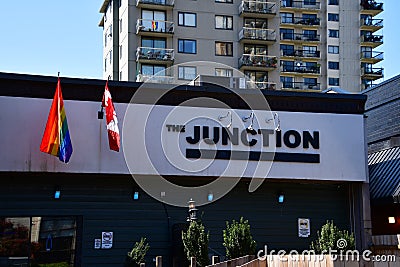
154,25
56,140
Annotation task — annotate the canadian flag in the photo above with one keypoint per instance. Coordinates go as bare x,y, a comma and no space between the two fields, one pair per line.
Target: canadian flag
111,119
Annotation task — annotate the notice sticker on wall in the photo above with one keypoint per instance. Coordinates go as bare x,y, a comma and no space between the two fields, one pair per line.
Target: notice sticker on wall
106,240
97,243
304,227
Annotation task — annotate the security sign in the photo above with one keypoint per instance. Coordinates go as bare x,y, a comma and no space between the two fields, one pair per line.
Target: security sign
304,227
106,240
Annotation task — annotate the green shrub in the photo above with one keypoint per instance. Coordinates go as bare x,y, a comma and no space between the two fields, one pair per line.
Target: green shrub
195,243
138,252
328,238
238,240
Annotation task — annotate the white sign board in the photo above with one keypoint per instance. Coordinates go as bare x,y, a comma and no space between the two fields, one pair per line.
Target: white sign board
97,243
304,227
107,240
189,141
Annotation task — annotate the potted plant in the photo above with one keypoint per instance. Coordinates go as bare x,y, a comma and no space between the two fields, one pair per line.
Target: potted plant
136,256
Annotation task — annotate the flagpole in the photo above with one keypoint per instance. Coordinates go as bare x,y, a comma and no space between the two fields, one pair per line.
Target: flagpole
58,113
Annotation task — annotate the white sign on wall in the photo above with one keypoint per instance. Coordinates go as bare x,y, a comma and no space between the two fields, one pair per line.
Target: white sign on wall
304,227
107,240
97,243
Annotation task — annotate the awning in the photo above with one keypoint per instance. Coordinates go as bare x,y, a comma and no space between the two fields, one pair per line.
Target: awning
384,174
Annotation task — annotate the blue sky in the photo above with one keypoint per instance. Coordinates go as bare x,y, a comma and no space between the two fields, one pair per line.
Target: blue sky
47,36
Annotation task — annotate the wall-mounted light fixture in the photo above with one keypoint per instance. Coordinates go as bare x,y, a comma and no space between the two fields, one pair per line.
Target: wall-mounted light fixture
281,198
250,129
135,195
57,193
192,211
276,120
210,197
392,219
100,113
221,117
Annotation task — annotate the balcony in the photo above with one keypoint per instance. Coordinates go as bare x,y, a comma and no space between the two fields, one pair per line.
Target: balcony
300,69
300,38
261,85
257,62
300,54
257,35
371,57
371,7
371,24
372,73
301,86
155,79
154,55
288,5
154,27
257,9
155,4
297,21
371,40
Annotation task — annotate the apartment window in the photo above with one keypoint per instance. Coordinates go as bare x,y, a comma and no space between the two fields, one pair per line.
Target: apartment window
333,2
186,73
310,81
287,34
255,49
110,56
154,42
333,65
333,49
310,51
120,51
287,17
224,22
187,19
287,65
309,17
105,64
333,81
310,35
105,39
120,25
223,72
333,17
150,70
257,76
223,49
334,33
154,20
366,51
287,50
187,46
224,1
255,23
287,82
310,2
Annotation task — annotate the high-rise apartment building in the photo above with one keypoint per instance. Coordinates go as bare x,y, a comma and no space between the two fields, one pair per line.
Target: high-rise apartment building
286,44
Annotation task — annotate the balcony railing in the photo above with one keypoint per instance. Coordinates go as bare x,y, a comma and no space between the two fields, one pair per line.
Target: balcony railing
157,26
300,4
372,38
260,7
155,79
258,61
300,53
300,37
257,34
261,85
372,22
371,5
374,55
372,71
301,69
301,86
159,54
301,21
156,2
